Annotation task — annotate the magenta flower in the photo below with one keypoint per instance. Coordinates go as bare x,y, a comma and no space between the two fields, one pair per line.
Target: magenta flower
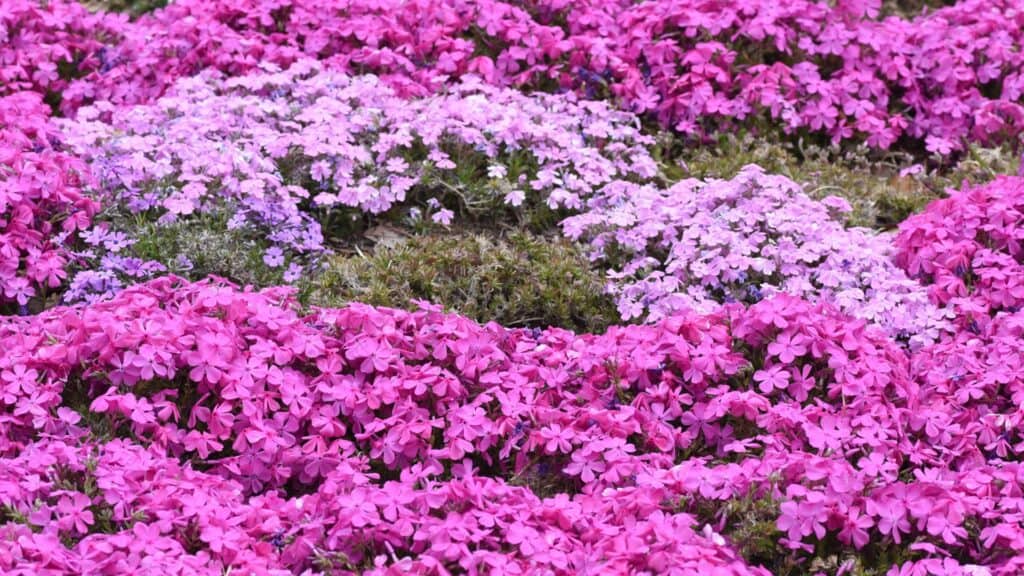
19,380
73,512
772,378
787,347
586,464
557,439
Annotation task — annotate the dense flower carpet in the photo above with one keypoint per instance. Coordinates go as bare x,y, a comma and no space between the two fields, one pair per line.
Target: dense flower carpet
767,389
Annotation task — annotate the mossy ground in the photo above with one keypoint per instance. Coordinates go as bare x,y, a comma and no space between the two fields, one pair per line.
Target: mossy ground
517,279
133,7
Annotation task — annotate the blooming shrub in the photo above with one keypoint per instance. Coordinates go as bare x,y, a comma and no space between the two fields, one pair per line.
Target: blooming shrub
46,45
128,509
41,203
118,508
698,244
414,45
977,372
946,77
335,441
289,156
966,248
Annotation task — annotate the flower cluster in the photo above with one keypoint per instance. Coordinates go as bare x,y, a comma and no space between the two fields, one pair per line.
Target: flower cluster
966,248
126,509
415,45
281,153
942,78
46,45
41,202
698,244
336,440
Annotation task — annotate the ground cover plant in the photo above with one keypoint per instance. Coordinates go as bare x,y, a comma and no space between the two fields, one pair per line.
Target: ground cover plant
939,79
698,244
40,199
516,280
355,287
883,189
296,156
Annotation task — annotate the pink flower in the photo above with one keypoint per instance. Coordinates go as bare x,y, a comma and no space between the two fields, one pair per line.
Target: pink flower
585,464
772,378
558,440
20,380
73,512
787,347
855,527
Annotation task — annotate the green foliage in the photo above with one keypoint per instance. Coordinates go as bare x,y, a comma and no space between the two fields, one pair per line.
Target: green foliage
911,8
881,197
133,7
209,246
516,280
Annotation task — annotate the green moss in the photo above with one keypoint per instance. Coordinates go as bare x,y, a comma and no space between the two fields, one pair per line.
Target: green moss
516,280
211,248
911,8
872,182
133,7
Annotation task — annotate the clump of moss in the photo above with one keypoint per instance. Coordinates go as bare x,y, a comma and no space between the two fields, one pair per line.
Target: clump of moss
882,188
196,248
133,7
516,280
911,8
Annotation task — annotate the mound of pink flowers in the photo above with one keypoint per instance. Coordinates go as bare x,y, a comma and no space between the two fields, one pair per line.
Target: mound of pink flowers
192,428
41,201
414,45
967,248
44,46
943,78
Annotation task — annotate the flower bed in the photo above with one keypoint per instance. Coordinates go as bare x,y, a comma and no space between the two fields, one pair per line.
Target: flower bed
802,397
292,156
334,440
944,78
